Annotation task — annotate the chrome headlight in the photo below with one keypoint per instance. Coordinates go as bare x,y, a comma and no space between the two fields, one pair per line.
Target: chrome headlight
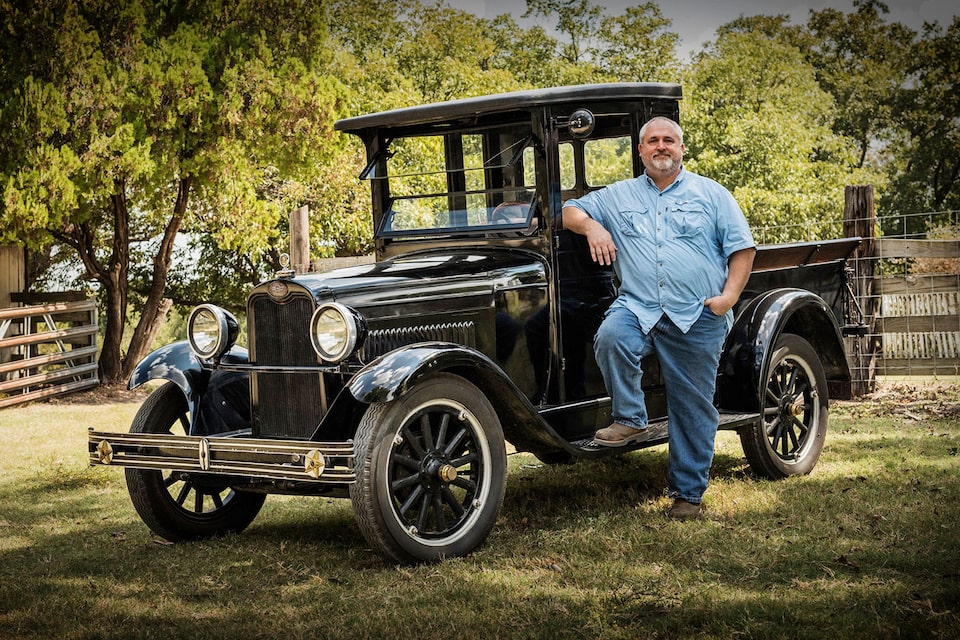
211,331
336,331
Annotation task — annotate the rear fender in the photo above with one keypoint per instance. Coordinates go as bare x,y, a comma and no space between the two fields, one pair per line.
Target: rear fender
218,401
394,374
749,346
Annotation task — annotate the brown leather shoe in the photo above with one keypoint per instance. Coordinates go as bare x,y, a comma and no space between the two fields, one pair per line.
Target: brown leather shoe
683,510
619,435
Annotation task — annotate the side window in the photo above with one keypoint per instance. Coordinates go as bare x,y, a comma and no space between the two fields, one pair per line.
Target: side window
473,177
529,167
460,181
568,170
607,160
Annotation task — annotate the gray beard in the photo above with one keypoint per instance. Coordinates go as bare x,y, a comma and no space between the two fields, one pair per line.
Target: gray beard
666,164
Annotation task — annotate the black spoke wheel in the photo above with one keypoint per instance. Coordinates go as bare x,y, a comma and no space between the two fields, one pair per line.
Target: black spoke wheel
431,471
177,505
789,438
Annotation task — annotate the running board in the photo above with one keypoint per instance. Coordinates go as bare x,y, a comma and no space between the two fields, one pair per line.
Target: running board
658,434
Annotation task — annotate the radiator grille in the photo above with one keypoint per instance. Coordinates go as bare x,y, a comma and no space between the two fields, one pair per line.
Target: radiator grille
282,332
288,405
381,341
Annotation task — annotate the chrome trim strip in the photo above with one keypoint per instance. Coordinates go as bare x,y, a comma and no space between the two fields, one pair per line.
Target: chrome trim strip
257,458
247,368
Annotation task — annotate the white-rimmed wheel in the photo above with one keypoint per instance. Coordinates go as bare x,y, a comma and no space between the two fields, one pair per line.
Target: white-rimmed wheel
789,439
431,471
177,505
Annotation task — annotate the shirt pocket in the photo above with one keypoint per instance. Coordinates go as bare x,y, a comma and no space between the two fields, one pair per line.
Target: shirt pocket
689,219
630,222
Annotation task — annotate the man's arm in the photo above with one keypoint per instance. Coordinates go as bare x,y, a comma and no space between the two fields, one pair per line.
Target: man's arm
738,272
602,249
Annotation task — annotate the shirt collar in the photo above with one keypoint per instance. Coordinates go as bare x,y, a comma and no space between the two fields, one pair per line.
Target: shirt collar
677,180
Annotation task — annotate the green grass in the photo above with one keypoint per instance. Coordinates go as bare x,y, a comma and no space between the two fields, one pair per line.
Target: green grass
865,547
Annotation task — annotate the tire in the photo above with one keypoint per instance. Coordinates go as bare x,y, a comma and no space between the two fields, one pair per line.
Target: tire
179,506
789,438
431,471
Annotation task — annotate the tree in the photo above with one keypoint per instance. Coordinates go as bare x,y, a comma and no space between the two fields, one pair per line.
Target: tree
447,55
861,60
637,46
577,19
126,122
928,176
529,55
759,124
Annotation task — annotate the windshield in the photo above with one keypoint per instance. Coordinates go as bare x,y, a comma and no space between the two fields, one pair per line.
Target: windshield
464,181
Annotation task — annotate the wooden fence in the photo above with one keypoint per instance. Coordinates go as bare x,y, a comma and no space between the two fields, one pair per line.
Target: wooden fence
46,350
908,289
918,313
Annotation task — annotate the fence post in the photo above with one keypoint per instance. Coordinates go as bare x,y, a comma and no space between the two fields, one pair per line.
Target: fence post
859,220
300,239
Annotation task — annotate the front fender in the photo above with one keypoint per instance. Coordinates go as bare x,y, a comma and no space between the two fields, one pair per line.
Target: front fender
393,374
177,363
174,362
746,357
390,375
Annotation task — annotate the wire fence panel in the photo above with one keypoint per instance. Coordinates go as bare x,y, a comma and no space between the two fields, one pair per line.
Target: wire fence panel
908,288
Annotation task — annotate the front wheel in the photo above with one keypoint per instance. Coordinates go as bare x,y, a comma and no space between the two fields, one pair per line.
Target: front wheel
789,438
176,505
431,471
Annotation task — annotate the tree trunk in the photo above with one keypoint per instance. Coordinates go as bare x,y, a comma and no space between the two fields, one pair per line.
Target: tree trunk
114,280
155,307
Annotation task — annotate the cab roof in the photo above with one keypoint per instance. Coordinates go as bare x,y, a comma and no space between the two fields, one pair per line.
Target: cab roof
506,102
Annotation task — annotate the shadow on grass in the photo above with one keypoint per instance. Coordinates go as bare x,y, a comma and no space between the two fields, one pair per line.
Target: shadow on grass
864,547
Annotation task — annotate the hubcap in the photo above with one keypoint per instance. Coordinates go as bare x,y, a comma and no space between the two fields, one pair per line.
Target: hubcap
448,473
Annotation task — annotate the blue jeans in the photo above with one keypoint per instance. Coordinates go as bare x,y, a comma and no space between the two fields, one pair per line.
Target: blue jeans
689,364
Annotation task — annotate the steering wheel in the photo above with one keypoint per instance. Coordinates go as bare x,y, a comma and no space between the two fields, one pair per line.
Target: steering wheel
510,212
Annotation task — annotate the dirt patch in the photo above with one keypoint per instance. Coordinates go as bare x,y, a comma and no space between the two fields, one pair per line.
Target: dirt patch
921,400
103,395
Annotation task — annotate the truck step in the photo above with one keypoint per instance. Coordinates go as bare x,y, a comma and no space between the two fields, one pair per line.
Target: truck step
658,434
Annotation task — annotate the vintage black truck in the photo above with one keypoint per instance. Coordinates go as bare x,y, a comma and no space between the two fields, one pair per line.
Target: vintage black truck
398,383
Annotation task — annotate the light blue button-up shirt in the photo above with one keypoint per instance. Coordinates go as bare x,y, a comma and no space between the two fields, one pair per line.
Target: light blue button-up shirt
672,245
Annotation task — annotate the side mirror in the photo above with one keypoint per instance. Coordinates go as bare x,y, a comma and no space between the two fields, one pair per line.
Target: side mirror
581,123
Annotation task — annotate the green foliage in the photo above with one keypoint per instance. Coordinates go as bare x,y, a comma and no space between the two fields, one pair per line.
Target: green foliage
598,47
125,123
761,125
146,119
889,89
926,177
577,19
638,46
448,55
528,55
861,61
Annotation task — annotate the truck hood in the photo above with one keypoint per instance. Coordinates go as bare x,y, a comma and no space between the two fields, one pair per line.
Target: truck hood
461,277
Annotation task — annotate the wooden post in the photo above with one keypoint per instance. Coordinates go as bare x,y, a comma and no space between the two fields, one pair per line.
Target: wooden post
859,220
300,239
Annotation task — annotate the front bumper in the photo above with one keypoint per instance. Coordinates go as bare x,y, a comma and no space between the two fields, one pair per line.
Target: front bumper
251,458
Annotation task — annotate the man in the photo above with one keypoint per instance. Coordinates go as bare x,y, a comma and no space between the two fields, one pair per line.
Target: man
683,251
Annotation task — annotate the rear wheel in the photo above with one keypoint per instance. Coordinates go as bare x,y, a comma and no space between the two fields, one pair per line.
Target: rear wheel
177,505
790,436
431,471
